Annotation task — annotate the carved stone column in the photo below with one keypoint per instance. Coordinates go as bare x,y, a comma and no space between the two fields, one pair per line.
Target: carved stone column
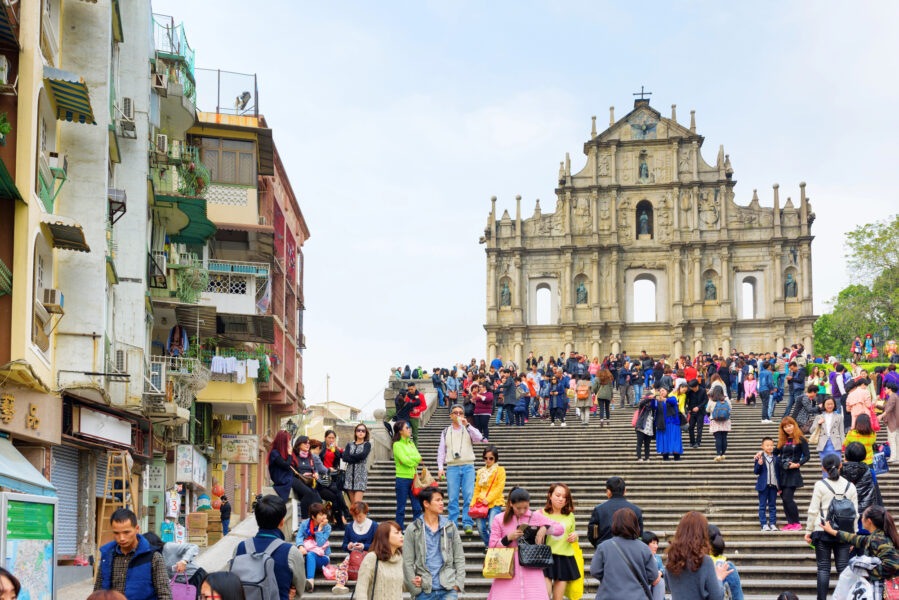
695,160
695,210
722,219
806,273
613,212
678,295
595,348
518,297
697,283
594,210
613,166
615,297
777,284
594,287
567,288
491,288
697,340
726,306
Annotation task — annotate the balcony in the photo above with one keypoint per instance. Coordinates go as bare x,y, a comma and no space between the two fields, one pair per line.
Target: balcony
171,388
178,201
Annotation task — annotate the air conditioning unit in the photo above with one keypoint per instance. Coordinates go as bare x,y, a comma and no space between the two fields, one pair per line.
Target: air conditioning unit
53,300
43,165
157,378
162,143
4,70
177,147
127,108
121,361
58,162
262,220
159,82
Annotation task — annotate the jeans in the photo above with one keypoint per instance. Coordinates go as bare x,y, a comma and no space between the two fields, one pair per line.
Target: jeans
314,562
499,414
638,392
404,491
720,443
696,425
789,404
226,524
790,509
558,413
733,582
643,441
460,477
485,524
482,422
438,595
767,405
768,499
509,411
602,408
519,417
824,546
439,396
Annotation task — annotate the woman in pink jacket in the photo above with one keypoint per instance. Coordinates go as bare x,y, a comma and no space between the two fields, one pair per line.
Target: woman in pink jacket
507,527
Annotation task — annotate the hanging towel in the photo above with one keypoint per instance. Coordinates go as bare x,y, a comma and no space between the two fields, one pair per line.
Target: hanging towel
252,368
218,365
231,365
241,371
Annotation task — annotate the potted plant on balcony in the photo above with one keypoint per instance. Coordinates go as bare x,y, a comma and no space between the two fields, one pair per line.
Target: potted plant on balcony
193,177
5,128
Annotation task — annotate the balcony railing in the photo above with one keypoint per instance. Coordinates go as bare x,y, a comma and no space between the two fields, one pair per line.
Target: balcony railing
179,376
233,266
171,41
177,170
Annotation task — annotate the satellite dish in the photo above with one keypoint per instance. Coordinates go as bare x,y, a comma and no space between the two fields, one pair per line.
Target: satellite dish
241,101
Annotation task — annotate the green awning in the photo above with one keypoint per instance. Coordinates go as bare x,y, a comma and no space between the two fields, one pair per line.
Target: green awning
70,96
64,232
198,228
8,189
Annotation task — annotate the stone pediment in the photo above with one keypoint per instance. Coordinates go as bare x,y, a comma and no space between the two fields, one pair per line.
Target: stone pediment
641,124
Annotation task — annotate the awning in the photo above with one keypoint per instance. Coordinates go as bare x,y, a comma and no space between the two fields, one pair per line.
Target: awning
8,26
70,96
230,398
193,226
20,372
8,189
246,227
246,328
19,474
65,232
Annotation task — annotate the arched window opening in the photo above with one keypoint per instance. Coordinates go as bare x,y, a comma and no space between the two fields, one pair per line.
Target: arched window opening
544,305
644,220
644,300
748,304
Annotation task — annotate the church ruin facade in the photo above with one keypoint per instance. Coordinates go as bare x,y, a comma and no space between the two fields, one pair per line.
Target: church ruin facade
648,213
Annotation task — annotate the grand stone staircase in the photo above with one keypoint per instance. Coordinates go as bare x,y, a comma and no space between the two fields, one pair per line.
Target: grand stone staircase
585,456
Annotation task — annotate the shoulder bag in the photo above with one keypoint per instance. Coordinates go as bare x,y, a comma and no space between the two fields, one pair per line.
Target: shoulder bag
633,570
530,553
499,563
480,510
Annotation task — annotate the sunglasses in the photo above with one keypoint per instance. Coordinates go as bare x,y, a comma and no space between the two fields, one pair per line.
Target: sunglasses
362,429
458,412
489,459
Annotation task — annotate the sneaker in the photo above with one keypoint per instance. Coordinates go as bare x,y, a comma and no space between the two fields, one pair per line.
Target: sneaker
340,589
765,527
469,530
639,460
552,424
310,585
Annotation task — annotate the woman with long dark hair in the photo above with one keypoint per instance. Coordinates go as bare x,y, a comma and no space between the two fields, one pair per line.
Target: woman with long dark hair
279,467
355,456
691,573
792,448
406,458
560,508
489,483
307,468
9,585
824,543
225,584
330,455
882,542
381,572
602,387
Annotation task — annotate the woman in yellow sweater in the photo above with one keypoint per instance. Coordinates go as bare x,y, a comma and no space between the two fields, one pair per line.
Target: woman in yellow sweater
560,507
489,483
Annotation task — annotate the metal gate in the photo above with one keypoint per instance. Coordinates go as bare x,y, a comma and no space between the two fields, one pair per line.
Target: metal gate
229,482
101,473
64,477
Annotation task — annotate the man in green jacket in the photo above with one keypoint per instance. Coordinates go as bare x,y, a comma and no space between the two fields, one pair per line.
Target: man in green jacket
433,559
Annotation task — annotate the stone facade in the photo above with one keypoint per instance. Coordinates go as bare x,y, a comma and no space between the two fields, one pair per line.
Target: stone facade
647,206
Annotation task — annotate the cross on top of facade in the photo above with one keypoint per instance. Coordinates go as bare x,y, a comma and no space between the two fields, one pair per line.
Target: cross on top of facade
641,93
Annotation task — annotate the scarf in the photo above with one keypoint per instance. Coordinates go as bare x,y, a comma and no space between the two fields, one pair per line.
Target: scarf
304,454
486,475
363,527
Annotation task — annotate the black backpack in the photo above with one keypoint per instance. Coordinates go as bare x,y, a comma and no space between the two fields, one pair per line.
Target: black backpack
841,512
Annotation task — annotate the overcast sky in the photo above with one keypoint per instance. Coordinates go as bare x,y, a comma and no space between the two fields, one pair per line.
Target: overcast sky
397,121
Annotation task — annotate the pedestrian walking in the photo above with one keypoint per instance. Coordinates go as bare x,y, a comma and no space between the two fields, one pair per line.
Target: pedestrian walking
602,388
124,566
433,560
668,421
490,481
828,429
381,572
455,451
644,426
697,409
719,409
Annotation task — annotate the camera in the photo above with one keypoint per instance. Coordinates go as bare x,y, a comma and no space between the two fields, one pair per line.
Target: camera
456,455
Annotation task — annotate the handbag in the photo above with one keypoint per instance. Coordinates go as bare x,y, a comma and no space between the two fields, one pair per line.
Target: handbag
891,589
479,510
422,480
353,564
499,563
816,435
452,394
875,422
633,570
635,417
880,465
374,580
182,591
530,553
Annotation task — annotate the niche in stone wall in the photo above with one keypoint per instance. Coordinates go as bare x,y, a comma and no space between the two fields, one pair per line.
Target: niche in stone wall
581,290
710,286
749,301
750,295
790,284
646,295
644,220
505,292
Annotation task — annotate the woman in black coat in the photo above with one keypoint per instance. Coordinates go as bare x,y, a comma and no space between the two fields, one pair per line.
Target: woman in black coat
857,472
792,449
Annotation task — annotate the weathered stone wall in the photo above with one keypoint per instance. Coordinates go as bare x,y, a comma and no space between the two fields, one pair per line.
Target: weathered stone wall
647,206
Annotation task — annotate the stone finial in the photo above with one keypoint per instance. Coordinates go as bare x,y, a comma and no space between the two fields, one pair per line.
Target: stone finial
537,208
567,164
561,171
593,127
720,162
755,195
728,168
674,112
692,121
493,205
518,207
789,204
611,115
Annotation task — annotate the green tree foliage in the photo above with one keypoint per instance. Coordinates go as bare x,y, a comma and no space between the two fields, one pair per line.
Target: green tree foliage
872,301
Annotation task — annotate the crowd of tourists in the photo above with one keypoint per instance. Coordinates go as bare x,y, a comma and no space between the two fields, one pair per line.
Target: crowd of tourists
533,554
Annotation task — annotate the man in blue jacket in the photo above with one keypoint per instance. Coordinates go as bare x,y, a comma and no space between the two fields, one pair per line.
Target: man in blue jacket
290,570
129,565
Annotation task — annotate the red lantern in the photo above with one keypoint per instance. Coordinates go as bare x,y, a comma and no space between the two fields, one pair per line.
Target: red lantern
218,490
216,504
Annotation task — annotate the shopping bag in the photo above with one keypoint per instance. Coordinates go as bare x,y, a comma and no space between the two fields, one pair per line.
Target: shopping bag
574,590
182,591
499,563
422,480
853,586
880,465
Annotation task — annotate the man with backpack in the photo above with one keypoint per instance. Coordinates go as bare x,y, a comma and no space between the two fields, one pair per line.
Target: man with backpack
267,566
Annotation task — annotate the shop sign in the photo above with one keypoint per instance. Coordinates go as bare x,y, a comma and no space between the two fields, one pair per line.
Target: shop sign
190,465
104,426
30,415
240,448
156,477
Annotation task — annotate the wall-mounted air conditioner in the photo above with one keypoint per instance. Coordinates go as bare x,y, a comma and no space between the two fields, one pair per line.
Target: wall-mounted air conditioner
127,108
4,70
53,300
159,82
262,220
162,143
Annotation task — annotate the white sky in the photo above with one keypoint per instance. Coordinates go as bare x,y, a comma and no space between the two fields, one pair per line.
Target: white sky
398,120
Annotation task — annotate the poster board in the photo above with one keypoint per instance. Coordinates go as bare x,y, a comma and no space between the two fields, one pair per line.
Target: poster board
240,448
27,542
